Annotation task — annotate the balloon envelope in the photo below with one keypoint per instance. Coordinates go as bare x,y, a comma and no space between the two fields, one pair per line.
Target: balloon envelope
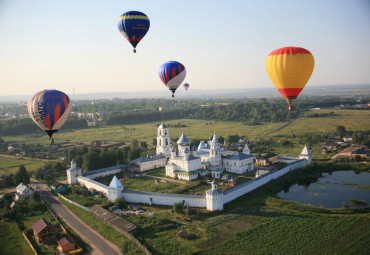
186,86
49,109
133,25
172,74
290,68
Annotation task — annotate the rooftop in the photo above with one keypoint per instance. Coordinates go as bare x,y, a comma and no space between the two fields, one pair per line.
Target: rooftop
107,216
40,225
115,183
235,155
64,241
162,125
183,139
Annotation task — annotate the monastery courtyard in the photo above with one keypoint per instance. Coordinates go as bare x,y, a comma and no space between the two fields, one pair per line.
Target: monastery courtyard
156,181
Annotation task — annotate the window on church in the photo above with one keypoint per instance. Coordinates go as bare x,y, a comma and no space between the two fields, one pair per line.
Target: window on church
160,142
166,141
160,132
165,132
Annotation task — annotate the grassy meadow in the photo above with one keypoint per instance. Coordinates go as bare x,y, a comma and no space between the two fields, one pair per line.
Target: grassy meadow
12,237
202,129
11,164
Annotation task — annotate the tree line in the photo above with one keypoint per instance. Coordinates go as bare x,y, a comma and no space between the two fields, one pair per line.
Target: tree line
27,126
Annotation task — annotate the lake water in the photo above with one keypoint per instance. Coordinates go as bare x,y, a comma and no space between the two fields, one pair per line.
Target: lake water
331,190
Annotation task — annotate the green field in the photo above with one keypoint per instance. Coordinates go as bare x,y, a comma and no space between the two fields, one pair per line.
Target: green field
10,164
12,237
352,120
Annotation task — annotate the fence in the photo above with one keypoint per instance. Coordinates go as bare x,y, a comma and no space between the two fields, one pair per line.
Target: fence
74,203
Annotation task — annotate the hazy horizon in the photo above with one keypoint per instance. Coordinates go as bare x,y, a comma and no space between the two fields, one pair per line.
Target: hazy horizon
78,43
255,92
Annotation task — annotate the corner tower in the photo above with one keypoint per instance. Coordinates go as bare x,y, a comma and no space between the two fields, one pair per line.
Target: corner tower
73,173
214,198
114,189
305,154
163,141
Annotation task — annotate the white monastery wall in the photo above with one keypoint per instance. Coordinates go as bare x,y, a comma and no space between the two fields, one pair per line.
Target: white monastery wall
163,198
102,173
262,180
88,183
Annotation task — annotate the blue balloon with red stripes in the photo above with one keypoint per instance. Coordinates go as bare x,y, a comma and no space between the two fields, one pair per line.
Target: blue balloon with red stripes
172,74
133,25
49,109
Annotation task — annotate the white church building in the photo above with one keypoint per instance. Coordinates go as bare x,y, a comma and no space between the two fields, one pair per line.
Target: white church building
189,165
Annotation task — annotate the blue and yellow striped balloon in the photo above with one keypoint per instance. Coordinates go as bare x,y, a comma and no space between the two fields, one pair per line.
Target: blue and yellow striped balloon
133,25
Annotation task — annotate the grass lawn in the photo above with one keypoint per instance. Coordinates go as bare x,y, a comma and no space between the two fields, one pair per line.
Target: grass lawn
12,241
87,200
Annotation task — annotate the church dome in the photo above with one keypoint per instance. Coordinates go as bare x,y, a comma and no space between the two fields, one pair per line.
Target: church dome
163,125
183,139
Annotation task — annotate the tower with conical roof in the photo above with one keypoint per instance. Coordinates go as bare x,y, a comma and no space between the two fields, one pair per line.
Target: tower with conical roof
246,150
305,154
163,141
115,189
215,153
183,143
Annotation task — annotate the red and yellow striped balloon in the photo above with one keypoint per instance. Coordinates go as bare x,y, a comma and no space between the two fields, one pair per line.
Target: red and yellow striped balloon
290,68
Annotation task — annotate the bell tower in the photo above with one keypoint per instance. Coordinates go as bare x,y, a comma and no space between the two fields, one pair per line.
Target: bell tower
215,153
163,141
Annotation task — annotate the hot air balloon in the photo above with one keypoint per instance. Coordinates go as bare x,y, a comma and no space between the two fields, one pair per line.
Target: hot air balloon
133,25
186,86
49,109
172,74
290,68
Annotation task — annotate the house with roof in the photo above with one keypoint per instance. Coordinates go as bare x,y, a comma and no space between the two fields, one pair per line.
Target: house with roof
268,159
65,245
23,191
150,162
44,232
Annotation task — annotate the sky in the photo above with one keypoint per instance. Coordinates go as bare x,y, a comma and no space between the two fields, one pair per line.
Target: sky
76,46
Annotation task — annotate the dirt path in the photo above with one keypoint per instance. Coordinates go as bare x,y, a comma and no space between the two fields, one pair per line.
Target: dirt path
282,127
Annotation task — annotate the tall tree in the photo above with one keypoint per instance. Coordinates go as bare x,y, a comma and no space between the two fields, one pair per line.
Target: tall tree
21,176
341,131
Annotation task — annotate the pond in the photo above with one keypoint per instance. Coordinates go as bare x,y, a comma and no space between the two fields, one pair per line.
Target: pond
331,190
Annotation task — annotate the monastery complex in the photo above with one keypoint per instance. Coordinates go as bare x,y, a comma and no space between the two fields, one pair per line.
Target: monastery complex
188,164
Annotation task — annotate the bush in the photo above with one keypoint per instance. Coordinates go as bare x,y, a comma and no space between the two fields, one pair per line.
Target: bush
177,207
120,203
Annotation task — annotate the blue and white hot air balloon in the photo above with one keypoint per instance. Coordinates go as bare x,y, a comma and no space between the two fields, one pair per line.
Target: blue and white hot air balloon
49,109
172,74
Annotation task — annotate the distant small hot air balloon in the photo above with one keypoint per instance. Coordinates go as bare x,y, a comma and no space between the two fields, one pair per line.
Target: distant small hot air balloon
133,25
186,86
49,109
290,68
172,74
